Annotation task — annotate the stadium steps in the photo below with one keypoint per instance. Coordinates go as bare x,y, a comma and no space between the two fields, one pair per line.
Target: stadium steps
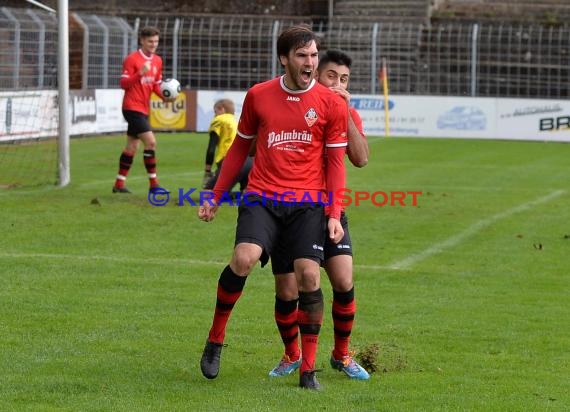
400,10
553,12
354,37
505,68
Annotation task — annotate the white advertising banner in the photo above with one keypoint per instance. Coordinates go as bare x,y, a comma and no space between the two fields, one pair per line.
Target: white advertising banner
82,112
426,116
28,115
532,119
205,106
34,114
109,111
466,117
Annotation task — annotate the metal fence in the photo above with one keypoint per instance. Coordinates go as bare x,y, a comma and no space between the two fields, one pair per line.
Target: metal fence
106,42
221,52
28,49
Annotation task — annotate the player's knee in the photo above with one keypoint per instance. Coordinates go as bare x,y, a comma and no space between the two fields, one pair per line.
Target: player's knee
310,280
244,259
342,284
132,146
341,281
242,265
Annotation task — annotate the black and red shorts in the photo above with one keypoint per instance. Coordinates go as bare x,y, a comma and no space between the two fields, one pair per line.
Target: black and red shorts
298,227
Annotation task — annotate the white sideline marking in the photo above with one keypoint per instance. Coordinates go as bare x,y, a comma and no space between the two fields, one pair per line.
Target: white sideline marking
455,240
403,264
158,261
139,177
88,184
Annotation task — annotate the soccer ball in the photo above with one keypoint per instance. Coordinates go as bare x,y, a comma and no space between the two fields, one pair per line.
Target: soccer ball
170,88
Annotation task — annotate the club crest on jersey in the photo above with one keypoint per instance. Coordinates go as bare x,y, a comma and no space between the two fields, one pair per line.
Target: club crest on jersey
311,117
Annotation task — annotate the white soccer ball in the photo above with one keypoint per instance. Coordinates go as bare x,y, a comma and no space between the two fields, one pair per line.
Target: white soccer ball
170,88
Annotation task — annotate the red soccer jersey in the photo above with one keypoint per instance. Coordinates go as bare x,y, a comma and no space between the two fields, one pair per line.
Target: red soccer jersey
139,88
292,128
357,121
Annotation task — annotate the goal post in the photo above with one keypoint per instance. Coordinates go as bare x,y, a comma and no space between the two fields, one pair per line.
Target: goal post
64,175
34,95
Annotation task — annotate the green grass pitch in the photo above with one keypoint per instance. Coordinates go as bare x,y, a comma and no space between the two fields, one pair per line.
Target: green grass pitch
106,300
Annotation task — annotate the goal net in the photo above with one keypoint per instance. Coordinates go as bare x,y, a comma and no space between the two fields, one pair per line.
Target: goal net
28,97
28,142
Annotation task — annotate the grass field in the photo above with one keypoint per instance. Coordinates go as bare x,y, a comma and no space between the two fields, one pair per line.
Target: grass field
106,300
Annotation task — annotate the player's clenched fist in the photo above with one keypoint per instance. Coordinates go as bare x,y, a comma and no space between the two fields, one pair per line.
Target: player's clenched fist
207,212
336,232
145,68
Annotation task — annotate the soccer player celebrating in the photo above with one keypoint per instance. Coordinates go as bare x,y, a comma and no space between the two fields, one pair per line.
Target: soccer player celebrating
333,71
293,119
142,74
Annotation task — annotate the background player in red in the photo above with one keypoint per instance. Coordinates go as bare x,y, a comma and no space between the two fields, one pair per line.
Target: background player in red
334,72
142,74
293,118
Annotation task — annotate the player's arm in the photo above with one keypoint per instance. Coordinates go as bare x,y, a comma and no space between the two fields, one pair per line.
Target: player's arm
233,163
158,92
357,145
130,81
335,180
131,75
210,153
156,85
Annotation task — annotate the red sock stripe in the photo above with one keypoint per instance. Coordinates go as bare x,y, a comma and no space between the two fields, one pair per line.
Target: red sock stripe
343,320
289,332
125,163
310,318
224,305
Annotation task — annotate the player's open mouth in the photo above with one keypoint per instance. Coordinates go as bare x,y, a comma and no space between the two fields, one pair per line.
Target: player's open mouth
307,75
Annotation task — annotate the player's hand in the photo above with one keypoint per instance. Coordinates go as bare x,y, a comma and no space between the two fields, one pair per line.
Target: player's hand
336,232
145,68
206,179
341,92
207,211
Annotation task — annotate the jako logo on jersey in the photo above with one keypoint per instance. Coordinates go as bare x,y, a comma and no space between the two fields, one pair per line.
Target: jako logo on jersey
311,117
293,99
276,139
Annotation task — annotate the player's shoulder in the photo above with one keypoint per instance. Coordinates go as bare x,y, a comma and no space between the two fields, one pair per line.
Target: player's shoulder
265,85
326,93
226,118
229,117
327,97
320,88
133,55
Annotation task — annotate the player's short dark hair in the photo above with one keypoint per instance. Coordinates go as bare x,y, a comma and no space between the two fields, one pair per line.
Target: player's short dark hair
335,56
296,37
148,31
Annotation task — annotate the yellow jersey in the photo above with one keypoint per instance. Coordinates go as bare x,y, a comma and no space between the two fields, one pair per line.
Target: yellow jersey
225,126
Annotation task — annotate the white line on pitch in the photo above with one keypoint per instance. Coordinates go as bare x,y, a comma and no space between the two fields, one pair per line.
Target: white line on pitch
455,240
158,261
